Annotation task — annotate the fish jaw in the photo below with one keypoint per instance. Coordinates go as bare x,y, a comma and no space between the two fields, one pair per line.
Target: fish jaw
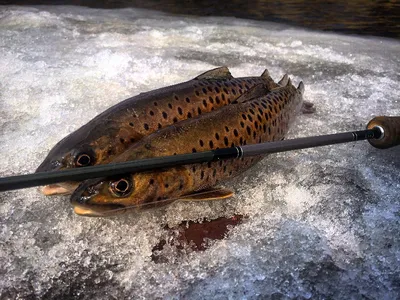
64,188
98,211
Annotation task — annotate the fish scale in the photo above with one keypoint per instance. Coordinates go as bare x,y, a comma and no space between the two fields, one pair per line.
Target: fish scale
113,131
254,117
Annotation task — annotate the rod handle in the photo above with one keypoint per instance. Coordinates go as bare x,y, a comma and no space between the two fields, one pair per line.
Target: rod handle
391,131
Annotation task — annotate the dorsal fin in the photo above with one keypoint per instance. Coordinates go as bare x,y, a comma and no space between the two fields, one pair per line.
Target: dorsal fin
218,73
289,83
255,92
284,80
265,74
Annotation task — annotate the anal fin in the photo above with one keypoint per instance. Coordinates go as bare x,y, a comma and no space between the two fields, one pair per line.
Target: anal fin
207,195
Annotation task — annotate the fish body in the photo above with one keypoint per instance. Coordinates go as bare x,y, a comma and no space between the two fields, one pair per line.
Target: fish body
256,117
113,131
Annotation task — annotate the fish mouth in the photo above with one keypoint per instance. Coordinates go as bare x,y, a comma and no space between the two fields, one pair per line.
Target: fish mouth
97,210
65,188
85,193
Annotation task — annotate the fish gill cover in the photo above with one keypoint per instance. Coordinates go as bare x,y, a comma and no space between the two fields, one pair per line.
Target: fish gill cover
319,223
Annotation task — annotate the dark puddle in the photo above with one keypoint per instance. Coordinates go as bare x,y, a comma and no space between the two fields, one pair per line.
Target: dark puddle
194,236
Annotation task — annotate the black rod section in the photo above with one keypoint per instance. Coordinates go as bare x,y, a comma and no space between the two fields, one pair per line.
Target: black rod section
79,174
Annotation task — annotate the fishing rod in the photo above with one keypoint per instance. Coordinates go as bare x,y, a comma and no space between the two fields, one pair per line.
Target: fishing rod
382,132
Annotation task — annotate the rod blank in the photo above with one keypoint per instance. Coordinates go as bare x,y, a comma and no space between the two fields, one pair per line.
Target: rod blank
79,174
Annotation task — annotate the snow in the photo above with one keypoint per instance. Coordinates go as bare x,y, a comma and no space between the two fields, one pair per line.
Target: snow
320,223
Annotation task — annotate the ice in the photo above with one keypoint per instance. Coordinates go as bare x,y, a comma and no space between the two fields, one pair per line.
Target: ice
321,223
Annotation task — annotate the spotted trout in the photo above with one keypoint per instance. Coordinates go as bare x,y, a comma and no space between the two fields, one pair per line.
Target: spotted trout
256,116
113,131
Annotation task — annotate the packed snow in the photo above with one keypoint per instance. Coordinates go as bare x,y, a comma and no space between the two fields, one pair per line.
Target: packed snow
321,223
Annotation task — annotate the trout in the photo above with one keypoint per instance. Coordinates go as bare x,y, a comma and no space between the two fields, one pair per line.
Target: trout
113,131
255,117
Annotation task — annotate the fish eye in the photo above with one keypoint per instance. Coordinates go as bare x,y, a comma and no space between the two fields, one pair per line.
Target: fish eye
83,160
121,187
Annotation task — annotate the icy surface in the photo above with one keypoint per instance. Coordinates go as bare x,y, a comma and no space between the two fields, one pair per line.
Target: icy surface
322,223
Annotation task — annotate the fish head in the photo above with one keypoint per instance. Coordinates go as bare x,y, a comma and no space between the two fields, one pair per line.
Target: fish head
110,196
81,148
62,158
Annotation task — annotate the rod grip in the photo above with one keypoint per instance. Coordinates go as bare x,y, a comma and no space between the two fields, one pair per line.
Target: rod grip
391,131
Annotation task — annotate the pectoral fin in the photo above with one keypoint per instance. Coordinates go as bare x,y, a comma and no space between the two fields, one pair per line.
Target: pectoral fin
218,73
205,195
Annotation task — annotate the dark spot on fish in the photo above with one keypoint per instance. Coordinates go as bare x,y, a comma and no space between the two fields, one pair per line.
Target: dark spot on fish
205,103
131,124
147,146
202,174
181,186
180,111
254,134
240,86
211,100
201,143
233,83
151,113
174,153
256,124
199,110
146,126
197,93
187,100
159,126
214,172
235,132
226,91
170,105
246,86
244,117
164,114
224,169
175,120
209,164
269,130
189,115
122,140
259,118
216,89
204,91
166,185
229,100
194,150
211,144
223,97
250,118
226,129
217,136
230,173
219,85
241,141
176,97
132,140
151,181
242,124
210,88
265,128
233,92
155,103
226,142
248,129
217,99
251,111
159,198
109,151
220,163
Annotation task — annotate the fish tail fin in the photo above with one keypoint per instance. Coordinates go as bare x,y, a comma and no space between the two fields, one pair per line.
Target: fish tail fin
300,88
284,80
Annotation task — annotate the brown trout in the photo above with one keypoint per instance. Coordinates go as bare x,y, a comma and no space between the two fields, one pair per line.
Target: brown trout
113,131
255,117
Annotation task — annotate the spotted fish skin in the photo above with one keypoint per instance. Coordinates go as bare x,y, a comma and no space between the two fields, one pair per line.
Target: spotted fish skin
113,131
261,119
